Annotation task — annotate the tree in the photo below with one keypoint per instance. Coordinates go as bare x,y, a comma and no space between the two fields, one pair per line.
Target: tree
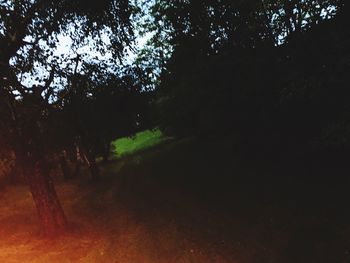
101,108
28,35
229,59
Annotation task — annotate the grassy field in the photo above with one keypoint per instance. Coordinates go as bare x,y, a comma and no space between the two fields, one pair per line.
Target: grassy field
185,202
141,141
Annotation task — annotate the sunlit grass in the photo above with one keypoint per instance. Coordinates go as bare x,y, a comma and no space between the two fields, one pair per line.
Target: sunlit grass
141,141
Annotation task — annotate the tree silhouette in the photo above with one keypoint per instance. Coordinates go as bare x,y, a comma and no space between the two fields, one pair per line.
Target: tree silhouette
28,34
260,70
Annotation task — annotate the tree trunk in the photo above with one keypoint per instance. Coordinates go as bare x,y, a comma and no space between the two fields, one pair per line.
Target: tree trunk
95,174
77,168
64,166
106,151
78,161
91,161
50,212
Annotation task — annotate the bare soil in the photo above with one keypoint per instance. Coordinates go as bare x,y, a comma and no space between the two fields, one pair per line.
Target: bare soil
186,202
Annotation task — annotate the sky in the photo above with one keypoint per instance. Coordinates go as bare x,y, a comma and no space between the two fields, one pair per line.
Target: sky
65,53
65,48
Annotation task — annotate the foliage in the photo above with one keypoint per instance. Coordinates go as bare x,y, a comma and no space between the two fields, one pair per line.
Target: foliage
140,141
29,34
101,108
264,71
208,27
33,120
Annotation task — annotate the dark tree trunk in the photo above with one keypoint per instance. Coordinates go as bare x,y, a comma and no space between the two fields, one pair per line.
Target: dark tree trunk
64,166
78,161
77,168
90,159
106,151
50,212
94,171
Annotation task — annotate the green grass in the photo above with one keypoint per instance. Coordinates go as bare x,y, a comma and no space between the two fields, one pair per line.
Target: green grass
141,141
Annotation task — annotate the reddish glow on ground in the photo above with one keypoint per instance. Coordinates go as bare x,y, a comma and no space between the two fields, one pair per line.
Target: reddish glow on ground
112,236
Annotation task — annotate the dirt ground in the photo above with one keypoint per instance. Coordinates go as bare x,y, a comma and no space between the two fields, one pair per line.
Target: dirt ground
185,204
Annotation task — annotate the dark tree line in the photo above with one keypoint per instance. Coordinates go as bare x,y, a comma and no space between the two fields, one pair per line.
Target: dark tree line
270,73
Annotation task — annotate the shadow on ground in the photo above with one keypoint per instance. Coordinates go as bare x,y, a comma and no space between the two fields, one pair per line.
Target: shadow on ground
190,202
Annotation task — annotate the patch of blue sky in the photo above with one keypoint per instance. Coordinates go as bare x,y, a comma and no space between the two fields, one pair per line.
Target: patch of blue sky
65,52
